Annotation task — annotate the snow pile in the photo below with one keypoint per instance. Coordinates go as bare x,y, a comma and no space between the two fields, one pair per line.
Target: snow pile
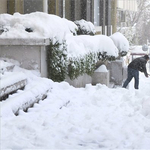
40,25
15,77
94,117
83,44
32,93
102,68
85,27
120,41
4,64
137,49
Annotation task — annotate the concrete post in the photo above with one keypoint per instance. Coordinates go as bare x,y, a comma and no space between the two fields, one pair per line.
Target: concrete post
51,6
3,7
68,9
45,6
11,6
77,10
114,15
33,6
102,15
83,9
90,11
108,17
19,6
59,8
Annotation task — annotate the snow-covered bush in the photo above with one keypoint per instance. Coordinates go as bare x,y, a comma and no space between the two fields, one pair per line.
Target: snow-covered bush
78,55
68,54
121,43
85,27
57,61
85,51
42,24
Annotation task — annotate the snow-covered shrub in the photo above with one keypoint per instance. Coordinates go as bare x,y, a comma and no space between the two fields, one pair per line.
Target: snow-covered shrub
68,54
85,27
57,61
85,51
79,66
86,64
42,24
121,43
59,65
78,55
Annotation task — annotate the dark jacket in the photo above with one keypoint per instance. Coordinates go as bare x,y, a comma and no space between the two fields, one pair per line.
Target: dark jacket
139,64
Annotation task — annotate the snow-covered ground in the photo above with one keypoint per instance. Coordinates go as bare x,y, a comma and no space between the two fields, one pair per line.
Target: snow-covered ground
94,117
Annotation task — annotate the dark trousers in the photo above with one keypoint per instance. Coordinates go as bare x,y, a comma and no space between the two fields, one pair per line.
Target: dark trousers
132,73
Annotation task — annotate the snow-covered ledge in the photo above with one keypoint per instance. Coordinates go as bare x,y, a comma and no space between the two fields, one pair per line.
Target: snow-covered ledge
31,53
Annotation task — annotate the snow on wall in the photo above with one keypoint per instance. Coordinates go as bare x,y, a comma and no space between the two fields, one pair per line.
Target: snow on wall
80,45
42,25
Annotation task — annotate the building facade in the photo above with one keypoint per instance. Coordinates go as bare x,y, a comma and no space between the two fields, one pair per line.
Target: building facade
123,8
130,5
101,13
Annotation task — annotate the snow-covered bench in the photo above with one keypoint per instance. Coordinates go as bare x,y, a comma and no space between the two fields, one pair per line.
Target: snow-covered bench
10,82
25,99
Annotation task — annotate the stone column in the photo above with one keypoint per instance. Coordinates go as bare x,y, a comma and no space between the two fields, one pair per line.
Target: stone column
3,7
77,9
72,12
90,11
114,15
59,8
68,9
102,15
45,6
11,6
84,9
33,6
51,7
108,17
19,6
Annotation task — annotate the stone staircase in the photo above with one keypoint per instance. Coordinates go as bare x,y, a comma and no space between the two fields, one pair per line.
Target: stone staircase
15,91
10,81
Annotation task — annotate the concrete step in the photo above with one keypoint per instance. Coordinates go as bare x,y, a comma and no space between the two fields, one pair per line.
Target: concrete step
10,82
23,100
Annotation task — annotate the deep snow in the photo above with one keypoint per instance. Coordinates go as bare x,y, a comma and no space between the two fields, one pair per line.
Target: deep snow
94,117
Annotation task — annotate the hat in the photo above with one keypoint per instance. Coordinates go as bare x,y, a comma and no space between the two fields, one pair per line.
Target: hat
146,57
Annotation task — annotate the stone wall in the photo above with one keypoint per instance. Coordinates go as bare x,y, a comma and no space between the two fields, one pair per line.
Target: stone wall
31,53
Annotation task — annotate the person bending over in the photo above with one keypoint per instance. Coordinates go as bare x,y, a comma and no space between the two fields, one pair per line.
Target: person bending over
138,64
